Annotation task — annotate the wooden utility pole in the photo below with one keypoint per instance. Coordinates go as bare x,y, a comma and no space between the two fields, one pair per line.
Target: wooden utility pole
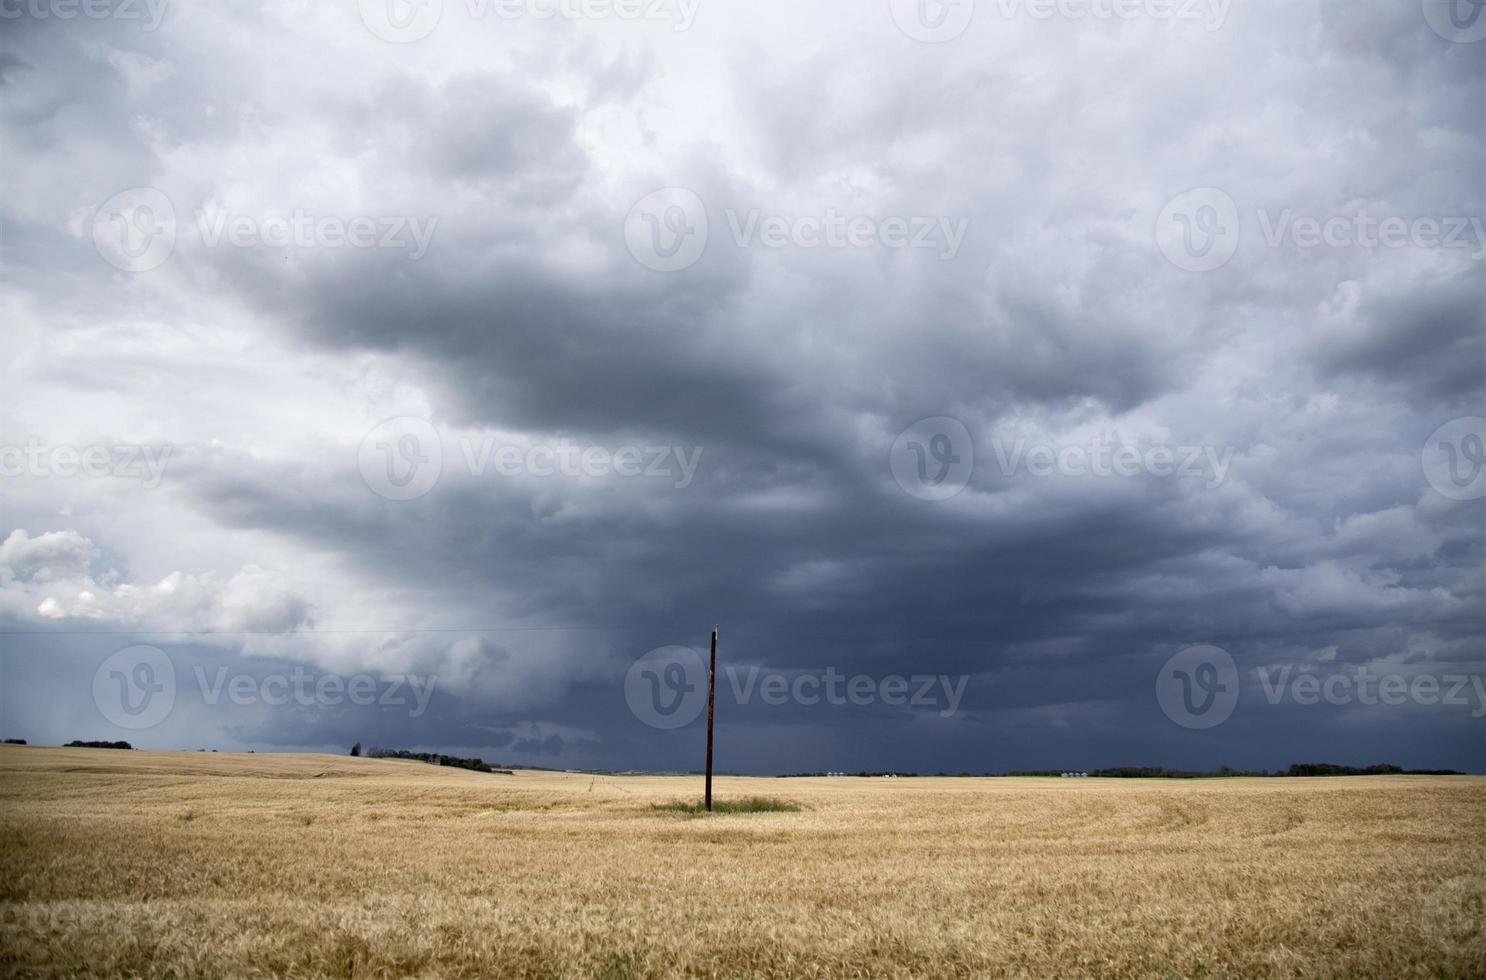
711,697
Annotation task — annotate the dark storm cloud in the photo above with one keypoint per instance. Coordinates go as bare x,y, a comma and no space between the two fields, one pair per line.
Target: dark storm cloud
1314,376
1433,340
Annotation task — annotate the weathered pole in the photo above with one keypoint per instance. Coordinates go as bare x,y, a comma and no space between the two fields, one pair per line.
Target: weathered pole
711,697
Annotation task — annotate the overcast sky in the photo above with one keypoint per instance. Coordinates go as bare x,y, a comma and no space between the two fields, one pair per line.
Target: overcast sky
1011,349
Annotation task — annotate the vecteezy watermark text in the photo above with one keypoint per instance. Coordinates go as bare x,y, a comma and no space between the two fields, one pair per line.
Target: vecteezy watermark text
124,462
1361,685
1201,229
934,458
565,458
1106,458
403,458
138,687
300,687
679,13
1199,687
150,12
136,230
407,21
668,229
938,21
938,691
1361,229
832,229
302,229
667,688
1211,14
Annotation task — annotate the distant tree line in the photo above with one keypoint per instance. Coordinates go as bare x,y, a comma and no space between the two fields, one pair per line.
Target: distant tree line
434,759
875,774
1162,772
97,745
1382,769
1299,769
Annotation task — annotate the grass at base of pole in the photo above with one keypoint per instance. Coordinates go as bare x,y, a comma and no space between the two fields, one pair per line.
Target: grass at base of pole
749,804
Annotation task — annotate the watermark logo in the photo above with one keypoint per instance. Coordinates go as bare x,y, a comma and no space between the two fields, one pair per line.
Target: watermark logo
1198,230
1461,21
667,687
137,230
933,458
680,13
401,21
932,21
666,230
406,21
306,690
938,21
134,230
1198,687
305,230
401,459
135,687
1454,458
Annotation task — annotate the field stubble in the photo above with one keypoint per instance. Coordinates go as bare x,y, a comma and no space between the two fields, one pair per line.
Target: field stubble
186,864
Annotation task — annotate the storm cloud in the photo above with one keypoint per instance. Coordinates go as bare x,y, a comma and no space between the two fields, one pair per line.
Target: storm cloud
1028,348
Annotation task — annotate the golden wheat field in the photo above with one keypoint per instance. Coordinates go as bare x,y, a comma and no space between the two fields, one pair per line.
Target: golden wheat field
185,864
